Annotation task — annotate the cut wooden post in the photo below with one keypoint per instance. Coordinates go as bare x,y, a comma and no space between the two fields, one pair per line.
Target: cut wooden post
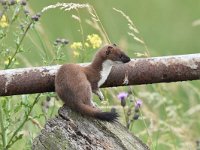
71,131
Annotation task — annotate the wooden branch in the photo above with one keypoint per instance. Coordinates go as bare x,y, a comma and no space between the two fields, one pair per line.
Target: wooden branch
139,71
71,131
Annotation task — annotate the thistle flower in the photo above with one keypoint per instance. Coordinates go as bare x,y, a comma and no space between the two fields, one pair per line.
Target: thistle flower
26,12
64,41
122,97
136,116
3,2
23,2
58,40
36,17
61,41
138,104
12,2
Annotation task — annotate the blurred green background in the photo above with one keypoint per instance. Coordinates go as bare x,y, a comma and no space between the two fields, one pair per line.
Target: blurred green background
171,110
165,26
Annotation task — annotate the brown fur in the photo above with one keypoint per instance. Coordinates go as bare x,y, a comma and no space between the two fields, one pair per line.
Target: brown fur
74,84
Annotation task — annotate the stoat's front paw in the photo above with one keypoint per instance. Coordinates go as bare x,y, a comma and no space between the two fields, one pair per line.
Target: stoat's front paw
101,97
99,94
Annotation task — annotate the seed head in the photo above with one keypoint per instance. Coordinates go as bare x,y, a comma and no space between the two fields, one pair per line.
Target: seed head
3,2
12,2
23,2
136,116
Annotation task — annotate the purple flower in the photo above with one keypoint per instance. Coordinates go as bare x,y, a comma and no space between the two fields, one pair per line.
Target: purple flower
122,95
138,103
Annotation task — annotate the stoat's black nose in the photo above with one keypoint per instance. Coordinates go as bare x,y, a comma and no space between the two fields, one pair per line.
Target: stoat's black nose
125,59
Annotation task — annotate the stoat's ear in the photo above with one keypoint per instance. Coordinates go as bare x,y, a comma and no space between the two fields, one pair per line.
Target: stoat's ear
109,49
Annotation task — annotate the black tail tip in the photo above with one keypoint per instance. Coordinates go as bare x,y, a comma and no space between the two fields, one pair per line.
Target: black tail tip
107,116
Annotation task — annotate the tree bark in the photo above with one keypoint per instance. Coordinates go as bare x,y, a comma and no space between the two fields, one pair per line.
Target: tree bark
71,131
138,71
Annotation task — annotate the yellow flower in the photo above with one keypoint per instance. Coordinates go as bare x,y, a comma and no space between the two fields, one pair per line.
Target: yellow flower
6,62
76,45
76,54
141,54
3,21
94,40
87,44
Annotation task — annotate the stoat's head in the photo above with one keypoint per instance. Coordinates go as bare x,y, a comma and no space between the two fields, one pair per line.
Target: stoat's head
114,53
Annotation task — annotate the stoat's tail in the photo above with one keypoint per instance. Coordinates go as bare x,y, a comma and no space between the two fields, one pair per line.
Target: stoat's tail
93,112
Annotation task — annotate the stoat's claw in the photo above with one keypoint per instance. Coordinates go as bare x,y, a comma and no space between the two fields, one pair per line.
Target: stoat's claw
99,94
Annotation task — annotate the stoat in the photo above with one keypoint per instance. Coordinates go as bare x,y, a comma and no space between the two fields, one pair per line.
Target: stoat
74,84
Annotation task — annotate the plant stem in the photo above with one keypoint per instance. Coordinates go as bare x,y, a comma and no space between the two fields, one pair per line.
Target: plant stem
3,130
82,35
101,25
23,122
52,111
42,45
131,125
18,45
125,115
15,14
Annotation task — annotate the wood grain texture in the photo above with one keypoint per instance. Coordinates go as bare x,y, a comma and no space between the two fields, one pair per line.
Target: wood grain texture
71,131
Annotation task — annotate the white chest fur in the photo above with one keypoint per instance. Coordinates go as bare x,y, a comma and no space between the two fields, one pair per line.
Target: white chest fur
106,68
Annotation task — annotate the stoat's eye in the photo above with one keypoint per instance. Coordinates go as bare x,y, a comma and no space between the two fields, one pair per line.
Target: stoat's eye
109,50
120,56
